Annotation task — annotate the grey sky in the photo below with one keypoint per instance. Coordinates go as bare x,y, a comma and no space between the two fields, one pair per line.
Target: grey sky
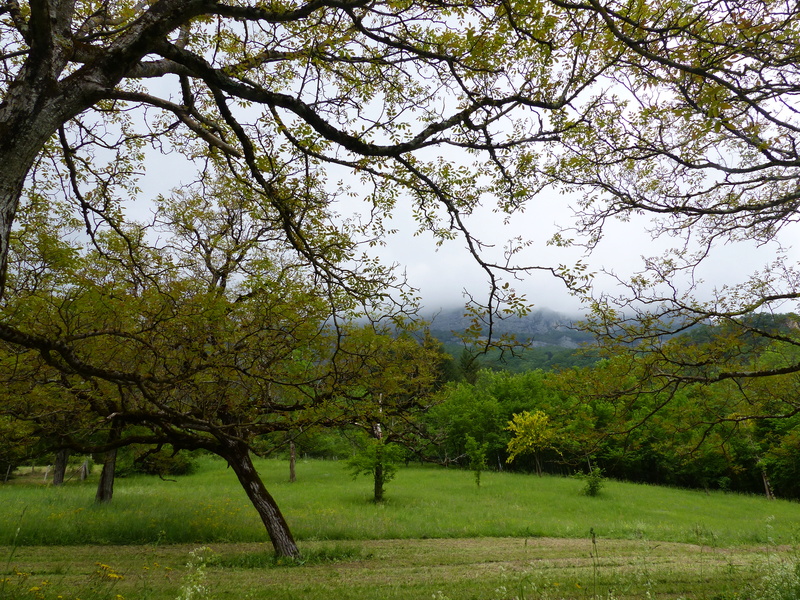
443,273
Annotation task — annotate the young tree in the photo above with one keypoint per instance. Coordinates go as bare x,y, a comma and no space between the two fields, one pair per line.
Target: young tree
532,434
399,375
377,459
477,457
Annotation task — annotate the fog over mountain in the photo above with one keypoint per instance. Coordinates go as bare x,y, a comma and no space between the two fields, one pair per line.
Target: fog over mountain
542,327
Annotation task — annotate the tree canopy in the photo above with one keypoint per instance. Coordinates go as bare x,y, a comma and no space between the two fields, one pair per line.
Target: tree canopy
218,341
683,111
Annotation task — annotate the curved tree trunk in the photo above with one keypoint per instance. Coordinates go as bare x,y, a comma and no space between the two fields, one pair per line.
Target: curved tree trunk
238,457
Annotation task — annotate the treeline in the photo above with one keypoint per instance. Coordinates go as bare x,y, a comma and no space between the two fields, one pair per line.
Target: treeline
723,436
680,442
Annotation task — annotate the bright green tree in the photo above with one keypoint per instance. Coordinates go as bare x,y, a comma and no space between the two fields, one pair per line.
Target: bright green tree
378,459
532,434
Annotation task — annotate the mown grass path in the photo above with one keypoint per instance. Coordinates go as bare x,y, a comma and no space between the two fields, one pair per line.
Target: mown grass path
469,568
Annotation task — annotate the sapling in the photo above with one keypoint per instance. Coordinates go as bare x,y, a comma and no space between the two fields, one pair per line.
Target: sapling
477,457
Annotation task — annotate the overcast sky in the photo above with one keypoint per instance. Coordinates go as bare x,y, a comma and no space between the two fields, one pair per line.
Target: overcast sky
442,274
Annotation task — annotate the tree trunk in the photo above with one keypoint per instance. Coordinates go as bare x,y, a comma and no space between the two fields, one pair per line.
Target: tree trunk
60,466
238,457
767,487
292,462
105,487
29,116
378,491
378,472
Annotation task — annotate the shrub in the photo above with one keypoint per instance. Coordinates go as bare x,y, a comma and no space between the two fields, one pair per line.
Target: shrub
594,481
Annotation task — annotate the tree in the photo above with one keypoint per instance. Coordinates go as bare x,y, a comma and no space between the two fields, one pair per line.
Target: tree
532,434
399,375
378,459
308,72
216,340
16,444
281,100
477,457
467,411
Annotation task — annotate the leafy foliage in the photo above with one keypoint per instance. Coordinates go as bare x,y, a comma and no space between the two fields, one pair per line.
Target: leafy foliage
379,460
476,453
532,433
594,482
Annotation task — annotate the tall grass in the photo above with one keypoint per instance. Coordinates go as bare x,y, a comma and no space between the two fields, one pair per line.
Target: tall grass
422,502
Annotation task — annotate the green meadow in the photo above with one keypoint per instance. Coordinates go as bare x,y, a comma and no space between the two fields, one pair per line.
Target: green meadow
437,536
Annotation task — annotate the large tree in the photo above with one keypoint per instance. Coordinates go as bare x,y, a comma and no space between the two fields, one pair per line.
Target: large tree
282,91
212,340
684,111
680,110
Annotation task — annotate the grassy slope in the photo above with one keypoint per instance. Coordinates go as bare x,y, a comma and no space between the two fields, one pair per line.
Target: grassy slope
506,536
325,504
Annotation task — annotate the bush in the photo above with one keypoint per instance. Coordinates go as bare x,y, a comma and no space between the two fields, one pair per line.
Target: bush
594,482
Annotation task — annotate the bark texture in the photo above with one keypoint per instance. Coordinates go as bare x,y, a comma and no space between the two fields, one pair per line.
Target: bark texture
238,457
105,487
60,466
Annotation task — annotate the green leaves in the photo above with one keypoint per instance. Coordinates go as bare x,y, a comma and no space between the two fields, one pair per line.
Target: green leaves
532,433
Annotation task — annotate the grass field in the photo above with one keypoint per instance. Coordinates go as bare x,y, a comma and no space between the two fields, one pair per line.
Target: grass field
437,536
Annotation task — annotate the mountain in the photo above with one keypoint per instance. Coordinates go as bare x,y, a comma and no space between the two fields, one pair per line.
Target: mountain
542,327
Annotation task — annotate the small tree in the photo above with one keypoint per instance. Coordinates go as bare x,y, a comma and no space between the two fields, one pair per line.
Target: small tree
477,457
378,459
594,481
532,434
